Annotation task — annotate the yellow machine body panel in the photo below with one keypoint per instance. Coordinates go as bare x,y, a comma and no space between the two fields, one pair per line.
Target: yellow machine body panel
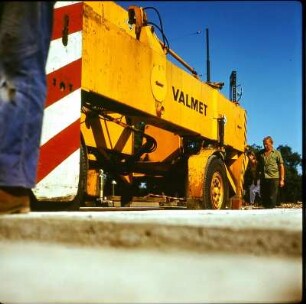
135,76
145,117
168,145
104,134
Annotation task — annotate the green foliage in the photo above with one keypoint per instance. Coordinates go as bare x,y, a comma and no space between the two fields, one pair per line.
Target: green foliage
292,191
255,148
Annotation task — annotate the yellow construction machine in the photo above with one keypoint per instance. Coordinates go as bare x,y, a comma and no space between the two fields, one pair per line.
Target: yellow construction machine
151,129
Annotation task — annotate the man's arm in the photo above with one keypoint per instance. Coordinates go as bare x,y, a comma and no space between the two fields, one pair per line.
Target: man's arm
281,175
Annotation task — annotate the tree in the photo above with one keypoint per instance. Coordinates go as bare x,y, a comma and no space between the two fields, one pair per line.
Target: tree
292,191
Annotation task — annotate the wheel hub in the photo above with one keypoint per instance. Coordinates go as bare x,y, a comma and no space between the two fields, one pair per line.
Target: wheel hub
217,191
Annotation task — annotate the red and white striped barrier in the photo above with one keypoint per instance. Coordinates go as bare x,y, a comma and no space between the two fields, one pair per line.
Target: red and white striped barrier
59,162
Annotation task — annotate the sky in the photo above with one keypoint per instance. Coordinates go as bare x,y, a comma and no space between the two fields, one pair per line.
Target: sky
260,40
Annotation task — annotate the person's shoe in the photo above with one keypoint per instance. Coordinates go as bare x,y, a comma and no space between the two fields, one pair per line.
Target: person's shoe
14,200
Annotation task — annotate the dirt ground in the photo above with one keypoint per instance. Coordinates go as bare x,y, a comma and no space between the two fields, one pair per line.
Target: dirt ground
291,205
298,205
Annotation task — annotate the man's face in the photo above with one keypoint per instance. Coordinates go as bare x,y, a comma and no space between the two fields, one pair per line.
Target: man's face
268,145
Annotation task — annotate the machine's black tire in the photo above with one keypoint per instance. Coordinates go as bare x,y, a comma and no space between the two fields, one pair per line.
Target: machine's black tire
127,195
215,188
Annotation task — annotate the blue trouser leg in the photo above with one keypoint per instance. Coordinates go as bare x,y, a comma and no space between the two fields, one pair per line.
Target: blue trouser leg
25,31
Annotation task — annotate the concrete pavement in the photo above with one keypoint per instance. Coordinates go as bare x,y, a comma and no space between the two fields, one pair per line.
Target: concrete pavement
183,256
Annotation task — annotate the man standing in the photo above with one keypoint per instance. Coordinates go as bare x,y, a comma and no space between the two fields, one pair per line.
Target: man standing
25,35
271,171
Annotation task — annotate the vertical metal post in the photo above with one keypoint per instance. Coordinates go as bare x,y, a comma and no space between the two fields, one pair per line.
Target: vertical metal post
207,56
233,86
221,123
113,187
101,183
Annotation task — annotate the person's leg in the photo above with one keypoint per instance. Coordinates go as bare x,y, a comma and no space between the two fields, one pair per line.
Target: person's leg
252,194
25,31
269,192
274,191
264,192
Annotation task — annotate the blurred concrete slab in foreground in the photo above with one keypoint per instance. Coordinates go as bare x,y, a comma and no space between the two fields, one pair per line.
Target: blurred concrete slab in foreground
183,256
